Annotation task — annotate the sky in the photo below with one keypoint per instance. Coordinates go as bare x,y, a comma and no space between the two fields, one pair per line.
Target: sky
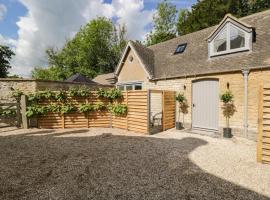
30,27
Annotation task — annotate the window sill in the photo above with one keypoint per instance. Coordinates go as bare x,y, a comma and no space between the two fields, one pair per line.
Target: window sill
229,52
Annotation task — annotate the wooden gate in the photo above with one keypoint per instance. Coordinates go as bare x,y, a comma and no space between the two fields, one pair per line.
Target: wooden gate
168,110
263,142
10,114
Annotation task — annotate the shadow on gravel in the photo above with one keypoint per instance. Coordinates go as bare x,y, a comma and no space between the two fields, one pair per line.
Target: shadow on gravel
108,167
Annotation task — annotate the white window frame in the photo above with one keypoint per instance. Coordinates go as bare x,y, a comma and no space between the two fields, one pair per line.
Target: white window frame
247,47
133,84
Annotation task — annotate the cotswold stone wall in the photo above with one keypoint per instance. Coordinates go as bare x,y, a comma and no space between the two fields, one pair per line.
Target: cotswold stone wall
236,85
31,85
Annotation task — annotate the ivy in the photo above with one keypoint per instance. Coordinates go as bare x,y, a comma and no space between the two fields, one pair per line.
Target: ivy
118,109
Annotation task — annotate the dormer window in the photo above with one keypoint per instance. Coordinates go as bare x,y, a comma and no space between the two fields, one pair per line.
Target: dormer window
180,48
230,38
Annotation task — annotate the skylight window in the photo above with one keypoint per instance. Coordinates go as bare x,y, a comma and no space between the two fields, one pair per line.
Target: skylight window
180,48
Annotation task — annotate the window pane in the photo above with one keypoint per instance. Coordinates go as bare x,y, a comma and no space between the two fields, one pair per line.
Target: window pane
138,87
237,38
121,87
128,87
220,43
180,48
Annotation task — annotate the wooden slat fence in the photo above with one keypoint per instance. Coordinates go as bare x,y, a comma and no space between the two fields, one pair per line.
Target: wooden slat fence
77,119
168,110
137,118
263,142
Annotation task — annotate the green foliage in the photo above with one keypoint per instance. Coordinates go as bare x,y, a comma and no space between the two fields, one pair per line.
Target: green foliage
226,97
79,92
36,110
49,73
99,106
208,13
60,96
85,108
8,113
47,94
101,93
16,94
164,24
180,98
118,109
5,56
183,105
228,105
95,49
68,108
54,108
111,94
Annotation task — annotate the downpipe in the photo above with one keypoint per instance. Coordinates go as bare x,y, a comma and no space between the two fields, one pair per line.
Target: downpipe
245,73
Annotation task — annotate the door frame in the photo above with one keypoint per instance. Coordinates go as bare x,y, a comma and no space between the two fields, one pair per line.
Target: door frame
192,115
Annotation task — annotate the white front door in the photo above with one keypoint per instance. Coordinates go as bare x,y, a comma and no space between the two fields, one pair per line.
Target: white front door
205,103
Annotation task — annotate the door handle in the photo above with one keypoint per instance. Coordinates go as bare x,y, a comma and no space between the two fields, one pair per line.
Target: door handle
193,105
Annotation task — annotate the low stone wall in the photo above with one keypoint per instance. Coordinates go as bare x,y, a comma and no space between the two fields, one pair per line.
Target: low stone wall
32,85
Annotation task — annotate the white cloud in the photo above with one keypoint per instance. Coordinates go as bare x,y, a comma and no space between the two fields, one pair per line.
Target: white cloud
3,11
50,24
131,13
8,41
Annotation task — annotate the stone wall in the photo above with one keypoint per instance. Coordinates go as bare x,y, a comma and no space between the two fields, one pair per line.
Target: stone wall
236,85
31,85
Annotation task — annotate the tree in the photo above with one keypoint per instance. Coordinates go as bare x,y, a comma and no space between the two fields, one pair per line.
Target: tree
164,24
94,50
259,5
5,56
51,73
208,13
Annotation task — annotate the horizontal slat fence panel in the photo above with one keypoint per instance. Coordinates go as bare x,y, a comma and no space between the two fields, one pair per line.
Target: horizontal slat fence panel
263,143
168,110
137,118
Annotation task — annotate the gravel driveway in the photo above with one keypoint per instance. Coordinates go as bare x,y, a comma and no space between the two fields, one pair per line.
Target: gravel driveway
113,164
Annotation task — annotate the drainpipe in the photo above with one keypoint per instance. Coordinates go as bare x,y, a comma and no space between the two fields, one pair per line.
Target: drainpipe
245,73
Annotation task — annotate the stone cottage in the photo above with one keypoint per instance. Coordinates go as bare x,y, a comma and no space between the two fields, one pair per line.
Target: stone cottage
234,55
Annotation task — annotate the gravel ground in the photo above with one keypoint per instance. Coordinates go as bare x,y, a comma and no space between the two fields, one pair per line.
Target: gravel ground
115,164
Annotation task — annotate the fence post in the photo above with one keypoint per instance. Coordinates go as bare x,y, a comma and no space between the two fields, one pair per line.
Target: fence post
260,124
148,111
23,105
127,112
63,120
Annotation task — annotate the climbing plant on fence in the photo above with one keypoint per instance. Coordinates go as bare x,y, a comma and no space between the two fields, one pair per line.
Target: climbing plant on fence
62,102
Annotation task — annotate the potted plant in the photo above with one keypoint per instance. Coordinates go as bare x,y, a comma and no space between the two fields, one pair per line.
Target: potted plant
183,108
228,111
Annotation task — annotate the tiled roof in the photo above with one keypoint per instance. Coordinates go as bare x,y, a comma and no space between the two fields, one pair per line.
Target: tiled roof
161,62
